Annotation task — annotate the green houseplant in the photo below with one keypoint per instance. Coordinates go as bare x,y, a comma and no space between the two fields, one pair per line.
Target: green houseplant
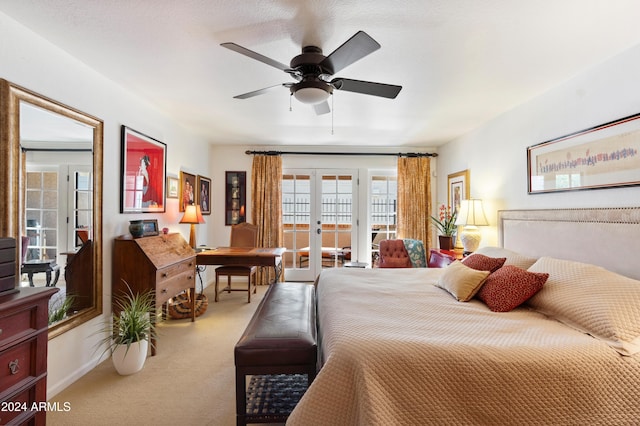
59,309
446,225
130,331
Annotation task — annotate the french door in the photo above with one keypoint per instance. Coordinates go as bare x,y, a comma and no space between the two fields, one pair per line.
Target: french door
319,209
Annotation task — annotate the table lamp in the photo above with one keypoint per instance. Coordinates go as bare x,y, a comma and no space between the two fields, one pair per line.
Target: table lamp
192,215
471,215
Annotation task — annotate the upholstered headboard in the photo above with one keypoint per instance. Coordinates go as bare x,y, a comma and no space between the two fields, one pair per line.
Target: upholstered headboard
608,237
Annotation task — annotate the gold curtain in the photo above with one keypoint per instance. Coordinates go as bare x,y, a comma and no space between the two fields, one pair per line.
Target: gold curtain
266,206
414,198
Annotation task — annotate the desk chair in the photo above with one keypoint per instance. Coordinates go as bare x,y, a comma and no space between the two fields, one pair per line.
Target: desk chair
242,235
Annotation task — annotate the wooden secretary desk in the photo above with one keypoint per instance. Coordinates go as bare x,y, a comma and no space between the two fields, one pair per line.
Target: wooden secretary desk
164,264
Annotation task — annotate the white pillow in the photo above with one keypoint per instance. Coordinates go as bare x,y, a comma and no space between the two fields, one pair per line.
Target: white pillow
461,281
513,258
591,299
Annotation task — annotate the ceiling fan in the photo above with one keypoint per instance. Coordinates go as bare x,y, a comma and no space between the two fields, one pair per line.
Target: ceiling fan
313,72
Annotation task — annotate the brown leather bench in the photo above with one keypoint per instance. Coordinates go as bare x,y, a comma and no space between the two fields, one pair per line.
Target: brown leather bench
280,339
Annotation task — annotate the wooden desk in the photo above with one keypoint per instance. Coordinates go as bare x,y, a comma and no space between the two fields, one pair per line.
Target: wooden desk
163,264
245,256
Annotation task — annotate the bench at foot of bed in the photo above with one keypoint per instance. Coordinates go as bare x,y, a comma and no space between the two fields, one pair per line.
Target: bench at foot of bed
280,339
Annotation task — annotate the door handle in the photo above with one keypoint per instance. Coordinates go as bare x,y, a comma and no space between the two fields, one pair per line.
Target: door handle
318,231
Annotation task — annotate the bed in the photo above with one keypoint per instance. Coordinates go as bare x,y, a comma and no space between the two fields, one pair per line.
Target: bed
398,349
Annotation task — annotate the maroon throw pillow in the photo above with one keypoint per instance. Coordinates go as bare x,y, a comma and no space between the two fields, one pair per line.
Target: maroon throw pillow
509,287
481,262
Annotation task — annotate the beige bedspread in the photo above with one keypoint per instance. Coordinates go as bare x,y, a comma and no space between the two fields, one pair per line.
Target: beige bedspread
399,351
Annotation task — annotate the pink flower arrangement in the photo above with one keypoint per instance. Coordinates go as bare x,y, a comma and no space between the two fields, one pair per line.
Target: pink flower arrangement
446,221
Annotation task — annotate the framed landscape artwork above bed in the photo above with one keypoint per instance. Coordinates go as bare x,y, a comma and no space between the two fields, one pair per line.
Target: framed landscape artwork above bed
603,156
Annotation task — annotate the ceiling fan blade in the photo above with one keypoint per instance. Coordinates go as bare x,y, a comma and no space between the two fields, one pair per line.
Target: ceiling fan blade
367,87
255,55
257,92
357,47
322,108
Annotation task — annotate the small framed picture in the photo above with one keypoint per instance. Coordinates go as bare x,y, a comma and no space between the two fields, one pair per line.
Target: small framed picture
187,190
150,227
172,187
235,197
458,189
204,194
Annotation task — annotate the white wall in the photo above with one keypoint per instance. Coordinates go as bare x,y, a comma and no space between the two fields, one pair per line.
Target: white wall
34,63
496,155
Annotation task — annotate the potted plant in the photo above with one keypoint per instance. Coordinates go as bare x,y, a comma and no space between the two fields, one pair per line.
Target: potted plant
446,224
129,332
58,309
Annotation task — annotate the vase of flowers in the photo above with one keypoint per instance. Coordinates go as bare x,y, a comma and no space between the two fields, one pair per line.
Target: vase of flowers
446,225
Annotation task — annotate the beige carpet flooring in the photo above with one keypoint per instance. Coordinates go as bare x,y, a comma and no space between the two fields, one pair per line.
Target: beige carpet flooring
190,381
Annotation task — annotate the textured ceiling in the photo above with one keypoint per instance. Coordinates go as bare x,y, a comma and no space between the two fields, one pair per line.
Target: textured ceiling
460,62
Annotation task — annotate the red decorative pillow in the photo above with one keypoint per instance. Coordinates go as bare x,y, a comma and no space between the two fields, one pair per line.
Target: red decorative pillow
509,287
480,262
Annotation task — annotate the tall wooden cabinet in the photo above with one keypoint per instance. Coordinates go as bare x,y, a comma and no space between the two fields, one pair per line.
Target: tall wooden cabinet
165,264
24,324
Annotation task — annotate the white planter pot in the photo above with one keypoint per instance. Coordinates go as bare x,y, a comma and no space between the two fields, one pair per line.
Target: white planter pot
131,361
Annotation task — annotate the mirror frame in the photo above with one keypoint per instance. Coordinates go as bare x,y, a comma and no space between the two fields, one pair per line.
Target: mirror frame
11,194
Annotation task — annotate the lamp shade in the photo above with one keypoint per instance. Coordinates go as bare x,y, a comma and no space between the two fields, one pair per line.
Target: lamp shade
471,213
311,91
192,214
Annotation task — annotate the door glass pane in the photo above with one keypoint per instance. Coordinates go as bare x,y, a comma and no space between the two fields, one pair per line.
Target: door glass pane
384,192
337,202
41,214
296,204
82,207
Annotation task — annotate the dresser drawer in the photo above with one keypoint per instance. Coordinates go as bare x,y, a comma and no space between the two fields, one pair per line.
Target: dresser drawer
169,287
16,405
17,324
17,364
174,270
24,407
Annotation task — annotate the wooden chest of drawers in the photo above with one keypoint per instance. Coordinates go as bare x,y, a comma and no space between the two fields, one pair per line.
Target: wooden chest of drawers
23,355
165,264
8,266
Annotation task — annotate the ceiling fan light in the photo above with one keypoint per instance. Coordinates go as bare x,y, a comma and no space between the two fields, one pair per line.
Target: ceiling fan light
311,95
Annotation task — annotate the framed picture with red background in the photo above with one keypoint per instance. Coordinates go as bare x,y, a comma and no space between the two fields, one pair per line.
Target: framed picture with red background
144,161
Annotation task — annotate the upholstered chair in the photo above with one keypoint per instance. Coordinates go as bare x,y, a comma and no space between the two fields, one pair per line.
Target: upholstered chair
393,254
242,235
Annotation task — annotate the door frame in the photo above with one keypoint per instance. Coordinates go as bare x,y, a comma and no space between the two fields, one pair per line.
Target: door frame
314,265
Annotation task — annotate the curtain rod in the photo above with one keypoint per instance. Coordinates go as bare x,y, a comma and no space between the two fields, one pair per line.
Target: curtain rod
397,154
56,149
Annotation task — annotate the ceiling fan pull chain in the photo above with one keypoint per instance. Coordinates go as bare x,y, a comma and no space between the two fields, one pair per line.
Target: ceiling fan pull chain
332,109
290,96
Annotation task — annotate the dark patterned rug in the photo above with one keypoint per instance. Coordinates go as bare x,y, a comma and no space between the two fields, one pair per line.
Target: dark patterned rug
275,394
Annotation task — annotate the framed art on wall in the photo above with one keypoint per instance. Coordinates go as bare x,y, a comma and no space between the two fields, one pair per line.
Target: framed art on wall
603,156
187,190
235,197
204,197
457,189
143,171
172,187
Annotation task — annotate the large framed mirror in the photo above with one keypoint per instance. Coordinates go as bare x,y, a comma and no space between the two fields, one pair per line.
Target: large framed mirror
51,161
